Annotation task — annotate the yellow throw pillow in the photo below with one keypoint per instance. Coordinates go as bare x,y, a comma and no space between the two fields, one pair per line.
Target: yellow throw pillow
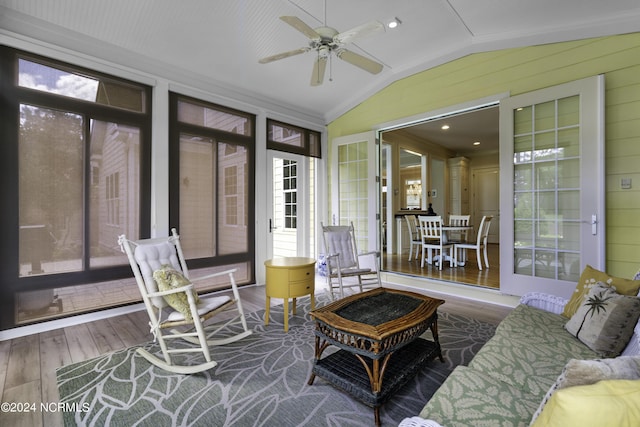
605,403
589,277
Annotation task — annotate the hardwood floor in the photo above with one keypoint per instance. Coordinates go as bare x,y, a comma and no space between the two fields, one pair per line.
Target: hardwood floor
28,364
468,274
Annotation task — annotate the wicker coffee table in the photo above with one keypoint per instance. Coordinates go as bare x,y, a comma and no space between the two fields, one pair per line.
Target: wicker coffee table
378,336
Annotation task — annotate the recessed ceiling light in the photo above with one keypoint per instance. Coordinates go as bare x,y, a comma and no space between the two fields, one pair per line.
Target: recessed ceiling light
394,23
444,127
476,143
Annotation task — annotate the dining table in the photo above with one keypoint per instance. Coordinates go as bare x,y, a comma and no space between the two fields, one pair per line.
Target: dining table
446,229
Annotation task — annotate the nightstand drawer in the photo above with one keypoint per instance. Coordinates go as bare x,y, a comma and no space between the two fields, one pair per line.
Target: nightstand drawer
297,274
297,289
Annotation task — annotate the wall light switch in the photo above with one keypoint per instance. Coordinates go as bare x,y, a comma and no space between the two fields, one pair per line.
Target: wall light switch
625,183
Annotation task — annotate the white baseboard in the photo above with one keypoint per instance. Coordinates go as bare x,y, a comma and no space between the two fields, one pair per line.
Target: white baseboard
50,325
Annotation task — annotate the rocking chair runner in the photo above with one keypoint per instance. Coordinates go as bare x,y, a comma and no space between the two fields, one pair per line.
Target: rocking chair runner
153,255
344,261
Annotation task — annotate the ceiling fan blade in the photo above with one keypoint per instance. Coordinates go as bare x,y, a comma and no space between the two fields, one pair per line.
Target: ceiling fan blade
283,55
359,61
317,75
359,31
299,25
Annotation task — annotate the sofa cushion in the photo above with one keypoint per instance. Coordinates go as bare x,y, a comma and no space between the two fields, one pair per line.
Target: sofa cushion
529,350
605,403
533,324
589,277
468,397
584,372
605,320
528,365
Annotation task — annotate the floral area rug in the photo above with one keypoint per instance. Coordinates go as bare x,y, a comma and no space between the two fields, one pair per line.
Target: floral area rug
260,380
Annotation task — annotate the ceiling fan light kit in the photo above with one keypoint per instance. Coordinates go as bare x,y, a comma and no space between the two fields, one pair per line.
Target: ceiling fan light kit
327,40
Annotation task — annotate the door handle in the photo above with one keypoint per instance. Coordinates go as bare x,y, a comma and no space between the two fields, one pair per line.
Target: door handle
271,227
594,224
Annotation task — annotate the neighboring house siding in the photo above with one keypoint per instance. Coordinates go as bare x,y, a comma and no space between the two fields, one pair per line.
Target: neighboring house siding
522,70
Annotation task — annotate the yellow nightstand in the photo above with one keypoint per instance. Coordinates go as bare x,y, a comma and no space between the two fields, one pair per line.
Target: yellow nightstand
289,277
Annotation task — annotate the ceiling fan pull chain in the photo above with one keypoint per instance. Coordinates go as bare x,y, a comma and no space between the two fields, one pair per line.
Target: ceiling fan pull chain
318,69
330,67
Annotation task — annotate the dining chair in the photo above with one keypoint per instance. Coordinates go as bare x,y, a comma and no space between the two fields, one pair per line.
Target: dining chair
433,239
414,235
479,246
459,221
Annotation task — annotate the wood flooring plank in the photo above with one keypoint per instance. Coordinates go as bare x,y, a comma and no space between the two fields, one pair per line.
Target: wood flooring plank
80,341
5,350
141,320
468,274
24,361
105,336
128,331
54,353
25,393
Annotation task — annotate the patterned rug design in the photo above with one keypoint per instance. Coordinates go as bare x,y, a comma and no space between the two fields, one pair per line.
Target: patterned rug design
259,381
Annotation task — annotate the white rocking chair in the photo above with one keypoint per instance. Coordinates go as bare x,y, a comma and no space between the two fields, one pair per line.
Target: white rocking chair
155,255
344,261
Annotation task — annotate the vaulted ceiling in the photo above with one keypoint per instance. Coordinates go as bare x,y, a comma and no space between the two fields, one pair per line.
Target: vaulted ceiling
215,45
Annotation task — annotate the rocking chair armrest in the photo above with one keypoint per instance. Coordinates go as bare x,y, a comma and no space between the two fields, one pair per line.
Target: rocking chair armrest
184,289
376,253
217,274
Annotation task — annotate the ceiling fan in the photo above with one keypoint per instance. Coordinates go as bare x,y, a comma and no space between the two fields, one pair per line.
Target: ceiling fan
325,41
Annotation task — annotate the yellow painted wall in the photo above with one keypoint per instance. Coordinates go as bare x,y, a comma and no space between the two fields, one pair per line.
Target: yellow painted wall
522,70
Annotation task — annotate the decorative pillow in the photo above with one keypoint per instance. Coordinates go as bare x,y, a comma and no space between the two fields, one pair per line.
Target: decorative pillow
605,320
589,277
605,403
169,278
584,372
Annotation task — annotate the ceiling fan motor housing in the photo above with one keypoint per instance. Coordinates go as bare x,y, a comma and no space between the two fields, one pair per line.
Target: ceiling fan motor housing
327,35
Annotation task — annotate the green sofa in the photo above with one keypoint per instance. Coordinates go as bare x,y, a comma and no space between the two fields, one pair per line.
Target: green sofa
508,379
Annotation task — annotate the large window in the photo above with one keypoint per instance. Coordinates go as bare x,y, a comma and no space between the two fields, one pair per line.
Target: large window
212,184
75,174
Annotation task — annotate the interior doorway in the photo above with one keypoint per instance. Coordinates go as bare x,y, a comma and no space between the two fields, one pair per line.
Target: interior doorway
472,135
485,185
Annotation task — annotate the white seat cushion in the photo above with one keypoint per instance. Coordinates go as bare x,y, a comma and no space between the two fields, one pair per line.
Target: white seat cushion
206,305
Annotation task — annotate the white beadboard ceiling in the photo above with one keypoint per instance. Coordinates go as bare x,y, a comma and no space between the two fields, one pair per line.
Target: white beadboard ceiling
215,44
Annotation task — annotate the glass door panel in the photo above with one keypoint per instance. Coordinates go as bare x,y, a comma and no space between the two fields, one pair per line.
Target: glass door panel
557,187
356,198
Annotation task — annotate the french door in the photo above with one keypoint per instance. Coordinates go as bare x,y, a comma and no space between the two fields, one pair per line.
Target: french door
552,187
354,187
290,205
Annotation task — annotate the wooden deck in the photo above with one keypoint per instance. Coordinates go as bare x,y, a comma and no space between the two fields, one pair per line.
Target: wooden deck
28,364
